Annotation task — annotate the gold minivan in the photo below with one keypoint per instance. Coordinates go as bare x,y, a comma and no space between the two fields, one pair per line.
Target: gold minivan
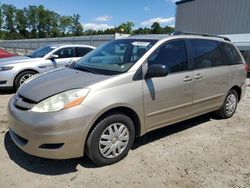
122,90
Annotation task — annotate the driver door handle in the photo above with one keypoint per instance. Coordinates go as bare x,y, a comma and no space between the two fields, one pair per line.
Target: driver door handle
71,61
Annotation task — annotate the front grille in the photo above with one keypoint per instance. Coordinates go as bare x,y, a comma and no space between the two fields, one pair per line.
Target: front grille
23,103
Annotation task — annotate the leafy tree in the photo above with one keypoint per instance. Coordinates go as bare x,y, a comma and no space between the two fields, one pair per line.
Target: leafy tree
1,17
156,28
76,27
21,22
42,15
144,30
53,24
9,14
126,27
32,21
168,29
37,21
65,24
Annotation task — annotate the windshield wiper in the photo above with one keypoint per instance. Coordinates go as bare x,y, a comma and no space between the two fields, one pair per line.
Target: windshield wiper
84,69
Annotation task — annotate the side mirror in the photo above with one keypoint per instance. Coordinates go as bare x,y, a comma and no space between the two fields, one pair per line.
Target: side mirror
156,70
53,56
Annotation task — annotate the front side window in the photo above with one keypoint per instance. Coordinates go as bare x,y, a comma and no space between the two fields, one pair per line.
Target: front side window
41,52
114,57
206,53
231,54
65,53
173,55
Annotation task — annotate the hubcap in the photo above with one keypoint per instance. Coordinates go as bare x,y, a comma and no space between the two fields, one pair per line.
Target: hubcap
114,140
231,104
25,77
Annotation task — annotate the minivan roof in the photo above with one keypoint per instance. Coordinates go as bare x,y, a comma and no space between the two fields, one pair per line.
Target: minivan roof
164,36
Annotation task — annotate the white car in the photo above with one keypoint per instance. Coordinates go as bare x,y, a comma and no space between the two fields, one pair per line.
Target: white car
14,71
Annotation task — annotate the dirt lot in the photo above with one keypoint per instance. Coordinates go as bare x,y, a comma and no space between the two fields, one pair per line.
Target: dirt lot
202,152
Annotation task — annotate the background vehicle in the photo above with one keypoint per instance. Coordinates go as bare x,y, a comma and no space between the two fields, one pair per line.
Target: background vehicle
16,70
246,55
4,54
125,89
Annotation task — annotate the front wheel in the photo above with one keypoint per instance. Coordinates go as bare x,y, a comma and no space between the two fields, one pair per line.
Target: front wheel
22,77
111,139
229,106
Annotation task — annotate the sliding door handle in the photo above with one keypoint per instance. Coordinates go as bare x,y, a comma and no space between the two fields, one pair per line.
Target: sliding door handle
198,76
187,79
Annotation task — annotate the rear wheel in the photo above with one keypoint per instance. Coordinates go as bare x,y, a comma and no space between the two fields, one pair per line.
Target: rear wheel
229,106
110,141
22,77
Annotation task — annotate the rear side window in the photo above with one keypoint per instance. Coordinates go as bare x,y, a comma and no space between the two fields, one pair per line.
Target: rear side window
206,53
173,55
232,56
82,51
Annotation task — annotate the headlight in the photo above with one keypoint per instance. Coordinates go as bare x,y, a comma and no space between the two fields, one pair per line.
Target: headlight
6,68
61,101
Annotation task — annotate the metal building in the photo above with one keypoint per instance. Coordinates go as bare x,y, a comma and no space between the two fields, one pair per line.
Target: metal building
213,16
230,18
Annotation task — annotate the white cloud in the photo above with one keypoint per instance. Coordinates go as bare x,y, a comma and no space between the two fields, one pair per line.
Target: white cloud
96,26
104,18
172,1
146,8
165,21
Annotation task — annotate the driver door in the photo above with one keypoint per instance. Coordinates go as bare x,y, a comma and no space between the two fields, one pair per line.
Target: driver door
168,99
66,56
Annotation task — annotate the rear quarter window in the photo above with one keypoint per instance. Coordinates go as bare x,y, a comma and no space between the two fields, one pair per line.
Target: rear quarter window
232,56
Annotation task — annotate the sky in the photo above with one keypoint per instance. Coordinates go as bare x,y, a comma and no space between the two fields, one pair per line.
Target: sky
103,14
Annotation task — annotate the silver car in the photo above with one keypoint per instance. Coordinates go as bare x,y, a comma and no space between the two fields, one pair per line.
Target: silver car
123,90
14,71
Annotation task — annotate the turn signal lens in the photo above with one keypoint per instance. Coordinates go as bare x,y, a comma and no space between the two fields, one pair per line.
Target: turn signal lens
74,103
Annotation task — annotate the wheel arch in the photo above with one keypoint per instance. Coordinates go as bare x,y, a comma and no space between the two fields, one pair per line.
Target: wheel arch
24,70
121,109
238,90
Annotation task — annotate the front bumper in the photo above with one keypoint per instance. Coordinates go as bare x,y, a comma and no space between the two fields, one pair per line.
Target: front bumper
66,129
7,79
243,89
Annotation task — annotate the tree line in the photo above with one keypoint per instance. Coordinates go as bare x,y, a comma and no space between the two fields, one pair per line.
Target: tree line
39,22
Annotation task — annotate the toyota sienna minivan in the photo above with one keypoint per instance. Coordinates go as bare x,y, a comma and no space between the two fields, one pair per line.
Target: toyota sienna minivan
121,91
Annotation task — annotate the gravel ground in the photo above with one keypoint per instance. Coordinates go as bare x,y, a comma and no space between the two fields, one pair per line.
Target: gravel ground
202,152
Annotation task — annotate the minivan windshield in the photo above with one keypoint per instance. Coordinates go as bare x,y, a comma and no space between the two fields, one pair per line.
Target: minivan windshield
41,52
114,57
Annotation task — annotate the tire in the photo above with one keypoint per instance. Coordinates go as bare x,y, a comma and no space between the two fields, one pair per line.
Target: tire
225,113
98,152
21,76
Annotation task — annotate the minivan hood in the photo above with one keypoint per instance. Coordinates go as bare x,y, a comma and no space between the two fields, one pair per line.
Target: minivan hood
16,59
56,81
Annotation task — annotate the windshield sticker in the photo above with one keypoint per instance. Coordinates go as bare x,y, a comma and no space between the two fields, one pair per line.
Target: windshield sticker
138,43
